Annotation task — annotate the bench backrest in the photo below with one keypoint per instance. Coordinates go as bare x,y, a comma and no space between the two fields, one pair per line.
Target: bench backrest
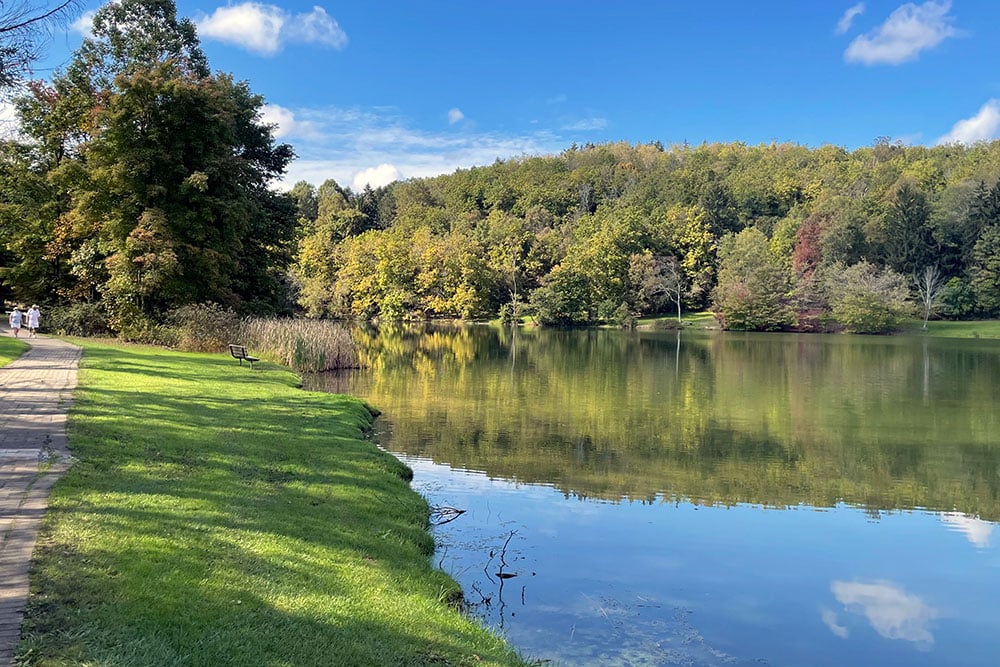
238,351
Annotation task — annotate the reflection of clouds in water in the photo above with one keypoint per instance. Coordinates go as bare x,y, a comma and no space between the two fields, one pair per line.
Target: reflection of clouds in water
975,530
891,611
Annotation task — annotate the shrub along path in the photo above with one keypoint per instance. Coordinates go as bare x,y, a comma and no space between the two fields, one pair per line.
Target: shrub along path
35,394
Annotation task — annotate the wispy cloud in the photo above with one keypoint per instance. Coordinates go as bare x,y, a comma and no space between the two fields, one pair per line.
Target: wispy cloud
984,126
267,29
845,22
376,146
829,618
909,30
455,115
586,124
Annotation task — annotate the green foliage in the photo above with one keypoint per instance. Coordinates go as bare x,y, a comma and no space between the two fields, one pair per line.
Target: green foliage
491,238
753,292
865,299
146,178
986,270
563,299
958,300
78,319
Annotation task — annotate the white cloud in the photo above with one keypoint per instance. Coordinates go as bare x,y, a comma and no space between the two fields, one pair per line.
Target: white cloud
909,30
376,177
891,611
977,531
286,125
378,146
266,29
316,27
455,115
984,126
844,24
84,23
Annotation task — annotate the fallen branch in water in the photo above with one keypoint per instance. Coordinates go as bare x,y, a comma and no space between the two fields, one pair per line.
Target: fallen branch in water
442,514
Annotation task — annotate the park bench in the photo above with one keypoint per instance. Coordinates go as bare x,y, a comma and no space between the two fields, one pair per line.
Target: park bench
240,352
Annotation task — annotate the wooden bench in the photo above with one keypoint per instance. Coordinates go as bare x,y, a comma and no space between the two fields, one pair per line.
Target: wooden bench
240,352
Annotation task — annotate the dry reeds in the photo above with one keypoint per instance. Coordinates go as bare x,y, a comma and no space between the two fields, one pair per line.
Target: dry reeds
309,346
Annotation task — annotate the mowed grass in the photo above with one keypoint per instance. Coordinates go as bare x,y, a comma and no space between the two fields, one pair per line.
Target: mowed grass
10,349
221,516
965,329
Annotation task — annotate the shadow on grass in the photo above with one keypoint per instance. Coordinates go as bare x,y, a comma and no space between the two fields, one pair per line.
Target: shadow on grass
234,522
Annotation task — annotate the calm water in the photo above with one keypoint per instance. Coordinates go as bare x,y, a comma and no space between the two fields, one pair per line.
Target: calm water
707,499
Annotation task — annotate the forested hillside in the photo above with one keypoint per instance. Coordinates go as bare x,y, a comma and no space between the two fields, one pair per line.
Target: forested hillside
771,237
142,183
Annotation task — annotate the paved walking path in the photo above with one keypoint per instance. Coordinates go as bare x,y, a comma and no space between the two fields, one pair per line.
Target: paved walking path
35,394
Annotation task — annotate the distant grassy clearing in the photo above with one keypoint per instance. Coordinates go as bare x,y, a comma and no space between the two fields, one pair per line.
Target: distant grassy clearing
969,329
220,516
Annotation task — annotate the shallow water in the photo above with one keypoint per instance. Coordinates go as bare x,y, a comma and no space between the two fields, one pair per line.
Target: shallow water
706,499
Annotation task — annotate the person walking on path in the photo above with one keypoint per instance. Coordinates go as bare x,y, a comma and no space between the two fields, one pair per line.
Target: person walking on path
15,321
33,317
35,394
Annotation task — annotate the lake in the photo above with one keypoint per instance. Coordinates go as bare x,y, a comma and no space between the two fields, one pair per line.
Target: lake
705,498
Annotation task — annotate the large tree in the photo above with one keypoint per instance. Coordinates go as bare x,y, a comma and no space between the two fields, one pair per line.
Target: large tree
168,167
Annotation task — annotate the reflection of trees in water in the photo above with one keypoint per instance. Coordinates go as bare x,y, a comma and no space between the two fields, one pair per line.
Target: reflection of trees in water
778,420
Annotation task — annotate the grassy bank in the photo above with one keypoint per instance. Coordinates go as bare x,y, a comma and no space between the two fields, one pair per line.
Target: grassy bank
220,516
944,329
10,349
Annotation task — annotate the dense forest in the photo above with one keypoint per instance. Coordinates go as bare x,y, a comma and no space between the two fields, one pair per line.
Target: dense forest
770,237
143,182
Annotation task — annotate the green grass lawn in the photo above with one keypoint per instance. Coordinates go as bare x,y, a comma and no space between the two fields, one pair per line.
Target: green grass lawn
221,516
693,320
10,349
941,328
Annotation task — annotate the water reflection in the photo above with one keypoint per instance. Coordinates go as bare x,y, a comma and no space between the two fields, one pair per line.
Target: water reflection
977,531
628,484
890,610
884,424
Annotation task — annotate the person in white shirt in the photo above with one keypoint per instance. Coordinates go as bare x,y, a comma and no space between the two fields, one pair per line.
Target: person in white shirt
15,321
33,317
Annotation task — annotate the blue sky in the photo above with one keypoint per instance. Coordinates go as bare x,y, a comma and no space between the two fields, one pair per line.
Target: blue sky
372,90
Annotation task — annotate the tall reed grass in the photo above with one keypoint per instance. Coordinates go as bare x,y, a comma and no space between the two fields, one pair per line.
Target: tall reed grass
309,346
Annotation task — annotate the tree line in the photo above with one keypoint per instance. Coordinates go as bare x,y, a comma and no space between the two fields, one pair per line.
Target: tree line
143,182
770,237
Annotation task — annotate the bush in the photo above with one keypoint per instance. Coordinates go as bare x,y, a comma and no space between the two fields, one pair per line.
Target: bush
867,300
78,319
204,327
